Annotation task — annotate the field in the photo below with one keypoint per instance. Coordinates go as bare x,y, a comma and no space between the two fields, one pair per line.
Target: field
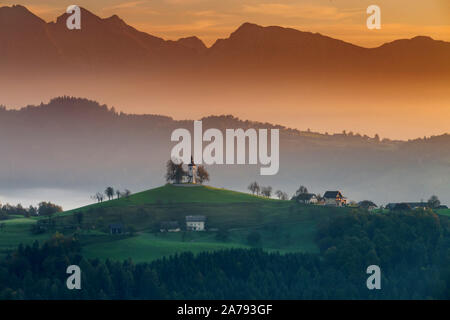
282,226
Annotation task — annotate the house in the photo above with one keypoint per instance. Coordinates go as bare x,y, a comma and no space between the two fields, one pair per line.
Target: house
116,228
405,206
195,223
170,226
334,198
307,198
367,204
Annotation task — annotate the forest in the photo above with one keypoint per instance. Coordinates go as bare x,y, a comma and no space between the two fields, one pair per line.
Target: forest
411,248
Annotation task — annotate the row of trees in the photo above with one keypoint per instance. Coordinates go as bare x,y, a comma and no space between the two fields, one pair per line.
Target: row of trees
109,193
175,173
412,267
43,209
266,191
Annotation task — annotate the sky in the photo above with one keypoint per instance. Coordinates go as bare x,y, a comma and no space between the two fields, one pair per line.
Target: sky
213,19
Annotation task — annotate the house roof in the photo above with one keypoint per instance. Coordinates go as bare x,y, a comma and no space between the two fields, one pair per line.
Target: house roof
367,204
332,194
306,196
195,218
410,204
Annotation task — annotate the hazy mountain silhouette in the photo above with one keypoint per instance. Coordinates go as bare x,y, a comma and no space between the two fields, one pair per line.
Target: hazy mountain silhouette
111,43
78,144
297,78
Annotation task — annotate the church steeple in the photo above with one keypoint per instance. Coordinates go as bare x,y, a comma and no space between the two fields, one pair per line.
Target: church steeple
192,171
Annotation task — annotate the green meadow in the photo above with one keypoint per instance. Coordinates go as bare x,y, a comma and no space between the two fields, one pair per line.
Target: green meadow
232,216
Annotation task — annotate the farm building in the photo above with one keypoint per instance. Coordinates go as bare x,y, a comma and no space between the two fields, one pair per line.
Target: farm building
334,198
407,206
367,204
170,226
116,228
195,223
307,198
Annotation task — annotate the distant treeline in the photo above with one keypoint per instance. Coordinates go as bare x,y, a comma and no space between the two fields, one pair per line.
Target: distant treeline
412,250
43,209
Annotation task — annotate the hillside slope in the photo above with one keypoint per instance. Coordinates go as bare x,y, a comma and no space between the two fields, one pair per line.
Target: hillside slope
277,225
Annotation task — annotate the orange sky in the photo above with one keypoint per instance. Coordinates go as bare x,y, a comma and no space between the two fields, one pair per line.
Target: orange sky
212,19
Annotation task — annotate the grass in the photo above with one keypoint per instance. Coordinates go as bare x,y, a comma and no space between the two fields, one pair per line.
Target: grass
283,225
16,231
146,247
444,212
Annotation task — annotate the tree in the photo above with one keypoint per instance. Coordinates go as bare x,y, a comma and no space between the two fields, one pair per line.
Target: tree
174,172
118,194
301,190
98,196
254,187
202,174
281,195
127,193
109,192
266,191
434,202
48,209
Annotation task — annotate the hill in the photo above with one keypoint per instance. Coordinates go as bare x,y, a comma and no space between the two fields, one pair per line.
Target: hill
78,144
231,217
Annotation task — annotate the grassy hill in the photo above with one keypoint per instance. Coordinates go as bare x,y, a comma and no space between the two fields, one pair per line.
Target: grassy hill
284,226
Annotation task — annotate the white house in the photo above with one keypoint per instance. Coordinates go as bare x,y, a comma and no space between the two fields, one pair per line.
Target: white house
195,223
334,198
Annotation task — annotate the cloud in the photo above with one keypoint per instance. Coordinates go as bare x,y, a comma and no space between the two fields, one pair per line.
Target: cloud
125,5
318,12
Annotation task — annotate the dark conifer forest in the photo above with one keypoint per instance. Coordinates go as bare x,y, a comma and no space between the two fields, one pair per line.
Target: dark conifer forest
412,250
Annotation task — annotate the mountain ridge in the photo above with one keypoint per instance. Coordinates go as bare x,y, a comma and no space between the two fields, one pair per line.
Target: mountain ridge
78,143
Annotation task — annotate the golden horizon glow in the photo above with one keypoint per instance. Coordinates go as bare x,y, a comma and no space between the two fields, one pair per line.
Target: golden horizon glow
210,20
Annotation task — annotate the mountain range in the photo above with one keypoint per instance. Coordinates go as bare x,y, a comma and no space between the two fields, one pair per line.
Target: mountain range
107,43
300,79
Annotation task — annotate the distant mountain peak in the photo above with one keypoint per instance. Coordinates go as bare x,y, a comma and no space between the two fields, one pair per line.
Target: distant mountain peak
18,14
115,19
193,43
246,28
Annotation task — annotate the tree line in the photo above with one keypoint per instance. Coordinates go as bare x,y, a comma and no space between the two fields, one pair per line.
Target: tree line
109,193
412,250
44,208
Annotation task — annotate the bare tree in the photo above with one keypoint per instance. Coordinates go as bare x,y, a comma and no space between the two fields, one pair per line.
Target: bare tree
202,174
281,195
301,190
254,187
118,194
98,196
